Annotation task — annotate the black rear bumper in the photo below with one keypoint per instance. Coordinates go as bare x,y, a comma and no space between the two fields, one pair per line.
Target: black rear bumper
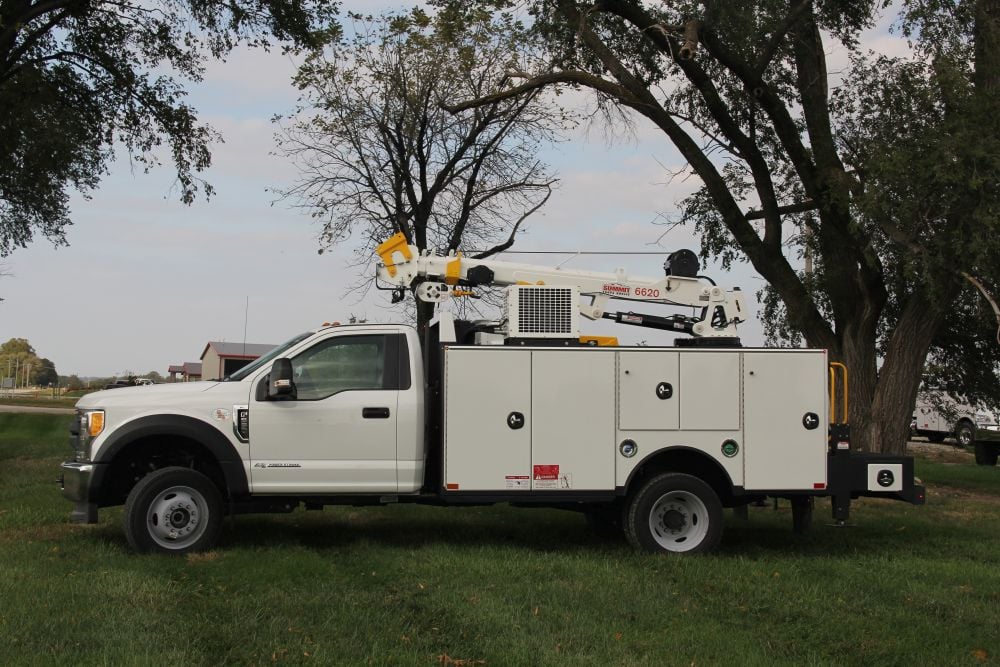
852,474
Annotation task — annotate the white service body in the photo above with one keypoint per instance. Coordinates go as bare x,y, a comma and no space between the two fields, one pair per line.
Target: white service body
579,404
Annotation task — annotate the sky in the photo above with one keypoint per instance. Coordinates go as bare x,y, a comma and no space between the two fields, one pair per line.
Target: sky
147,281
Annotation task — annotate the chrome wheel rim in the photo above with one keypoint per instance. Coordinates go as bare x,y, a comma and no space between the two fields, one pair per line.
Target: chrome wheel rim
964,436
177,517
679,521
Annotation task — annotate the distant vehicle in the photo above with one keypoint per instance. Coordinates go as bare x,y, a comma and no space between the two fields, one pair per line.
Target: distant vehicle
937,416
136,382
118,384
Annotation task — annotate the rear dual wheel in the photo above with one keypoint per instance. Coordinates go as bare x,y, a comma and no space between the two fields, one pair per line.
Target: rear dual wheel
965,434
674,513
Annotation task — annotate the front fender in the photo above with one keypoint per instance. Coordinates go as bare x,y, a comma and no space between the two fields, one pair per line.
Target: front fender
182,426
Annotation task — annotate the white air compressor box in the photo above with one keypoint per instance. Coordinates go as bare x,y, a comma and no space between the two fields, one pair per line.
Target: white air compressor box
540,311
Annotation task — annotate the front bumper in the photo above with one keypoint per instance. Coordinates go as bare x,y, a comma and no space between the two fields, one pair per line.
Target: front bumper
77,483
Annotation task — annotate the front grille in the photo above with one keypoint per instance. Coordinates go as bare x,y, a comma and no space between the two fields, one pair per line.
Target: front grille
76,438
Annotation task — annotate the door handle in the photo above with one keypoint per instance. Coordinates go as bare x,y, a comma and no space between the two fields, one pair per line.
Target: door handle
375,413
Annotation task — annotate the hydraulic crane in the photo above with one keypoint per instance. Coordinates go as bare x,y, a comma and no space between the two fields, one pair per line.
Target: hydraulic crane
436,278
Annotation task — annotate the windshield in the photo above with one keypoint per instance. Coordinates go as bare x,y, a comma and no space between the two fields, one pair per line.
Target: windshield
267,358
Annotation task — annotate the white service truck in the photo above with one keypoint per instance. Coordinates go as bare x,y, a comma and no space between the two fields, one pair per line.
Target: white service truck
937,416
652,441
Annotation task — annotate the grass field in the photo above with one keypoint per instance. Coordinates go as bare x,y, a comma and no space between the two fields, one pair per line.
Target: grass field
40,400
497,586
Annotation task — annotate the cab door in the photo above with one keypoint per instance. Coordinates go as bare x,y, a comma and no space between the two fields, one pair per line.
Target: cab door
336,433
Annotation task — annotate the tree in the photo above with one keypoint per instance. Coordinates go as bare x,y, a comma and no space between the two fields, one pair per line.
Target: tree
44,373
19,360
71,383
376,153
789,168
80,78
939,169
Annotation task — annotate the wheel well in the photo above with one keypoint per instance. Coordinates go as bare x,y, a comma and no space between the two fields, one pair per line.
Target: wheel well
144,455
689,461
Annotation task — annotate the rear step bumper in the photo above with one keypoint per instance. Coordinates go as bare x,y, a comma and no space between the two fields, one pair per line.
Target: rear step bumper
855,474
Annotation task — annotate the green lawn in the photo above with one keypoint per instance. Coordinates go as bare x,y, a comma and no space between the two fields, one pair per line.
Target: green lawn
497,586
41,400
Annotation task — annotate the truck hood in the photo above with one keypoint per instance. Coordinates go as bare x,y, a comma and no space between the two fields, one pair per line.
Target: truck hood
164,394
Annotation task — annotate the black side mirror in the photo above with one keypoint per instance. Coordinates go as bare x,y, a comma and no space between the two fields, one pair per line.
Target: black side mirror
280,385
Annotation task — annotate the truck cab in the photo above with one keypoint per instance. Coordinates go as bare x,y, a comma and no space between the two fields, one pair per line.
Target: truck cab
353,425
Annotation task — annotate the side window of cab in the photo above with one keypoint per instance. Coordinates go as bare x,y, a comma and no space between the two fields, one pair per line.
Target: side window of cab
349,363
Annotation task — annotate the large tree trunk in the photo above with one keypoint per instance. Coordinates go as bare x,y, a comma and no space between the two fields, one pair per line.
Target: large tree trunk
883,424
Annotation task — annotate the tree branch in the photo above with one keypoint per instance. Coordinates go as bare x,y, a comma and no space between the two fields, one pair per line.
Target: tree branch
11,66
510,240
16,22
539,81
986,295
767,54
800,207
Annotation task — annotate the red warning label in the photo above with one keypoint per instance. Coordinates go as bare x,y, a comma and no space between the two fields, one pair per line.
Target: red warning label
550,477
546,472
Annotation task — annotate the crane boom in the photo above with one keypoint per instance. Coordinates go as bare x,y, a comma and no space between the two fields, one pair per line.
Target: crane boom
434,278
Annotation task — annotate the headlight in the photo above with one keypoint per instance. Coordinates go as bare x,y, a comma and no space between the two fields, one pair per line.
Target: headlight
94,422
91,426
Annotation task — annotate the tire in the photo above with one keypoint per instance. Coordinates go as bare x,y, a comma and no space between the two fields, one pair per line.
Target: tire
173,510
674,513
936,438
986,454
965,434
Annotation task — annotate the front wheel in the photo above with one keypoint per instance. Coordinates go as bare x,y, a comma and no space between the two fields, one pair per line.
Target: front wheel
986,454
173,510
674,513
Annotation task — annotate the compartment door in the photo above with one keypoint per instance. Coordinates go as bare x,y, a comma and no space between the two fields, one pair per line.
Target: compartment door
780,388
710,400
487,435
648,391
573,430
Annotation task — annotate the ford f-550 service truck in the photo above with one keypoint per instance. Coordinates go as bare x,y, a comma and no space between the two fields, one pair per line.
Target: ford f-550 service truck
654,441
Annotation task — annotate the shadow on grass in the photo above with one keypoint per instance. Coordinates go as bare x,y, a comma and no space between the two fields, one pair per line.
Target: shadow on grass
415,528
766,533
881,528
